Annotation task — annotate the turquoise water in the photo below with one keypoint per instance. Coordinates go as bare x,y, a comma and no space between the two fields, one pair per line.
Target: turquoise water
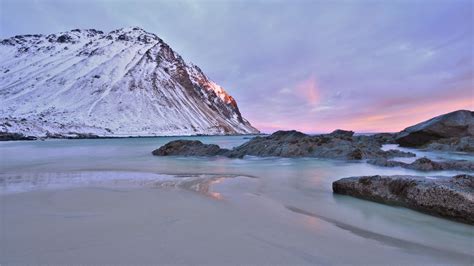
299,187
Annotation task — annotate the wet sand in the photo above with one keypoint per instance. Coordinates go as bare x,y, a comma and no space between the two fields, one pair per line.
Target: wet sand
207,220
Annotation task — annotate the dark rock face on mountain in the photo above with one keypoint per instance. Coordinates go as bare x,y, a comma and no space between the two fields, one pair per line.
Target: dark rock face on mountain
189,148
453,126
4,136
451,198
336,145
425,164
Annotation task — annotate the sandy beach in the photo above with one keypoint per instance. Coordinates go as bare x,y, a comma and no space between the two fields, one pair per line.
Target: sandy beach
231,223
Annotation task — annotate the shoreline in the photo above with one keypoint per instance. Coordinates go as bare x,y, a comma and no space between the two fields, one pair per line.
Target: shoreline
167,218
35,138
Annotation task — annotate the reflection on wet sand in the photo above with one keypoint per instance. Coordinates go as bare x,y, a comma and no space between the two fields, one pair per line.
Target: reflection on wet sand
384,239
200,183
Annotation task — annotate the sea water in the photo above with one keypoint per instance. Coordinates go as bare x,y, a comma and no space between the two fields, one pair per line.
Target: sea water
263,210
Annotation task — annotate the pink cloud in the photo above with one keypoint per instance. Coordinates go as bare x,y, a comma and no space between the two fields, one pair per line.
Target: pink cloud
308,90
375,118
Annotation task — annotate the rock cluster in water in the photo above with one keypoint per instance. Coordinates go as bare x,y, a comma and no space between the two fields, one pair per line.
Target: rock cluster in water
337,145
425,164
452,198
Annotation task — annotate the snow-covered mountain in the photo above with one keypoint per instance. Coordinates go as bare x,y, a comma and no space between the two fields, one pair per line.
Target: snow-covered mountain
127,82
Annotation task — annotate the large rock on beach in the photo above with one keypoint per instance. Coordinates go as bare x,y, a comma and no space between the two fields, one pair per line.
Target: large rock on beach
454,125
451,198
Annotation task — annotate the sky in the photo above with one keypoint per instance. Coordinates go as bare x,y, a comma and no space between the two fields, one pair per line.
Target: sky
309,65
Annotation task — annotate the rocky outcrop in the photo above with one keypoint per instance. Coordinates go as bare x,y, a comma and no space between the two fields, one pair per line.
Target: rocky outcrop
425,164
454,125
337,145
189,148
452,198
4,136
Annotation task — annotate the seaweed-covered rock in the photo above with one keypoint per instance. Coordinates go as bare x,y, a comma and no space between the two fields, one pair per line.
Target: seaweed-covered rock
451,198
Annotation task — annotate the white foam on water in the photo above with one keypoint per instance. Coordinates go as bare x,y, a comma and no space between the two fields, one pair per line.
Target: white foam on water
35,181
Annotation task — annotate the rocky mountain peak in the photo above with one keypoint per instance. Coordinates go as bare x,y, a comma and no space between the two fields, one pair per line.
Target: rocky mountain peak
125,82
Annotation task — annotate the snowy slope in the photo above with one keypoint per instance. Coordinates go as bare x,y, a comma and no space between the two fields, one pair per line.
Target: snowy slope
124,83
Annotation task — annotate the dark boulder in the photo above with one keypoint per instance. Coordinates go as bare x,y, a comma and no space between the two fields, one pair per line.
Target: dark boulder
189,148
281,144
456,124
450,198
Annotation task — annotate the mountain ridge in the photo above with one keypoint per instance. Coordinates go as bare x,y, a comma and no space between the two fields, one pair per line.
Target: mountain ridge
127,82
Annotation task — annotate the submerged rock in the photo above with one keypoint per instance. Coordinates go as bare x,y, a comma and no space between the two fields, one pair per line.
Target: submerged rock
189,148
337,145
452,198
452,126
425,164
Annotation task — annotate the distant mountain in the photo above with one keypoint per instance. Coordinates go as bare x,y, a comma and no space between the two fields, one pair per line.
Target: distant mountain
127,82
